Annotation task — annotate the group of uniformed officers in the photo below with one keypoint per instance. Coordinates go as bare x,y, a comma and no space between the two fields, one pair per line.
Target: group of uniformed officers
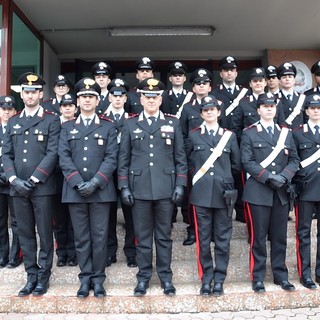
209,151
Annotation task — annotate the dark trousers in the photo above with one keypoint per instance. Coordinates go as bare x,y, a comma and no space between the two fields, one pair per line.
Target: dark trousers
222,224
129,241
273,219
35,212
304,212
90,223
5,204
63,230
152,219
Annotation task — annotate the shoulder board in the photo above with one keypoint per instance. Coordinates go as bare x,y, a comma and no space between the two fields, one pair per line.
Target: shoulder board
50,112
17,114
282,126
105,118
48,100
301,126
170,115
133,89
196,129
133,115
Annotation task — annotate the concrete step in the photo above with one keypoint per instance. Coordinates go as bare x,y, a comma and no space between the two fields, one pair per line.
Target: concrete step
61,296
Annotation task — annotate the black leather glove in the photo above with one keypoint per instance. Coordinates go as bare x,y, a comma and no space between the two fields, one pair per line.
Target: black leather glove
3,179
77,186
277,180
177,195
88,188
23,187
127,197
32,183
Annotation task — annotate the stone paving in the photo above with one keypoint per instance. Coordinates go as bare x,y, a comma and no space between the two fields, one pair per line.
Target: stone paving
282,314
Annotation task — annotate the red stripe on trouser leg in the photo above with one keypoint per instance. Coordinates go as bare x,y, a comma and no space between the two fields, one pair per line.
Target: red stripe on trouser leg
251,237
200,270
299,263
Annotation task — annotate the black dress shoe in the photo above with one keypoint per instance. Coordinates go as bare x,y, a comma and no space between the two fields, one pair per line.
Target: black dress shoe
131,262
217,289
308,283
258,287
317,279
99,290
141,289
110,261
62,262
3,262
72,261
83,291
240,218
41,289
191,239
27,289
168,288
13,263
285,285
205,289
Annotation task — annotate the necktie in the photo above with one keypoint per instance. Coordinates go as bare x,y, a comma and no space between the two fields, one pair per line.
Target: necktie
270,132
152,119
28,118
87,124
212,136
229,90
4,128
178,95
316,133
117,117
289,97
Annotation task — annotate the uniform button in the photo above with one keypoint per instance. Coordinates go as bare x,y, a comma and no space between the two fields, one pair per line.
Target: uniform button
86,138
151,145
27,132
163,134
151,137
260,145
85,169
24,160
211,149
211,173
273,172
273,164
318,169
1,164
272,148
85,159
151,154
25,151
85,148
290,109
151,164
318,161
318,146
25,141
212,166
137,137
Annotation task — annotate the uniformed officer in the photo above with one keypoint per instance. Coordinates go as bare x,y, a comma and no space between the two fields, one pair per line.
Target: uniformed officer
307,182
102,72
273,84
144,67
315,70
14,259
246,113
269,156
214,158
62,227
29,159
118,89
88,157
292,101
189,120
152,174
229,92
61,86
175,98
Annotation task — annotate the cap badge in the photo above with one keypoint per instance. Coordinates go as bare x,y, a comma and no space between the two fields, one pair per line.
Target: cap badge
152,83
31,78
271,68
7,99
88,83
316,97
61,77
178,65
102,65
230,59
258,70
287,65
207,99
119,82
67,96
145,60
202,72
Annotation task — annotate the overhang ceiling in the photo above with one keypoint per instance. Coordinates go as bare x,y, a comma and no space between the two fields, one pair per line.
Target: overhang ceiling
76,29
